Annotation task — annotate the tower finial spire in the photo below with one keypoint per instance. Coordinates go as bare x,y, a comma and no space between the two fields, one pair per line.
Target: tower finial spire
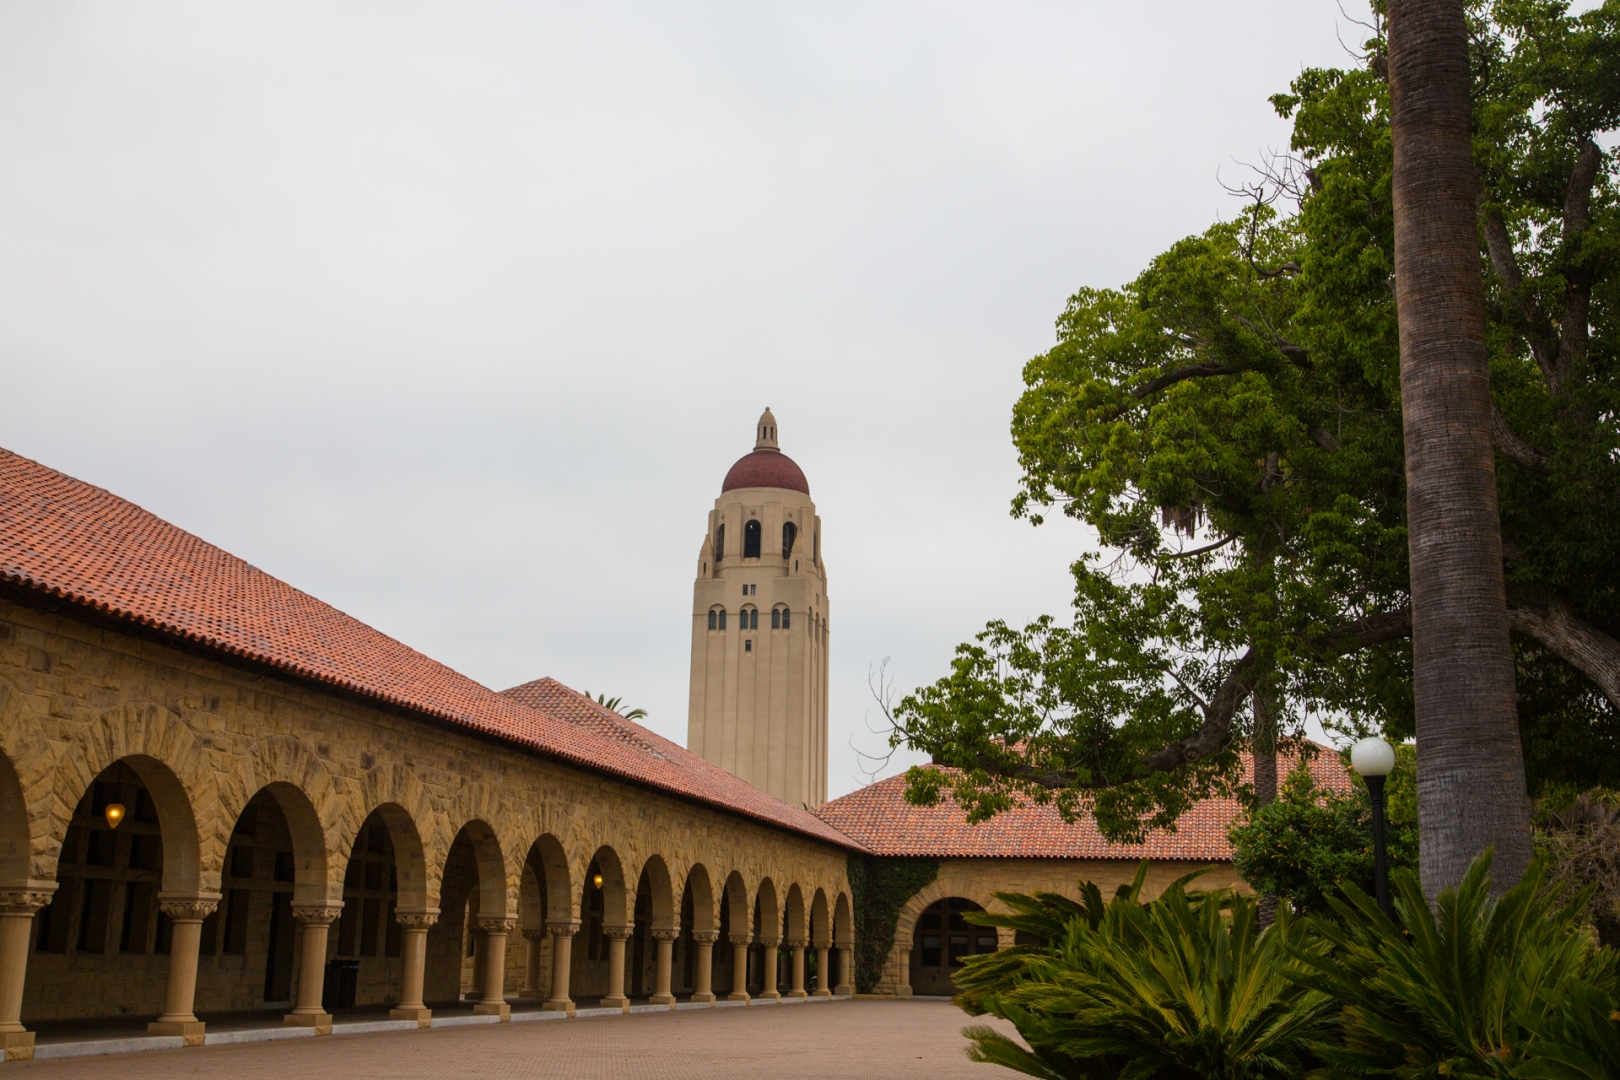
766,432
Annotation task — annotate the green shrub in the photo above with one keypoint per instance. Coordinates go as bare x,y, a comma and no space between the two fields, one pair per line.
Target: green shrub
1187,986
1477,987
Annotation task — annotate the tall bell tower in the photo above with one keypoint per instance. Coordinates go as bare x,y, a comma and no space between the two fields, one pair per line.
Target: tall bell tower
759,629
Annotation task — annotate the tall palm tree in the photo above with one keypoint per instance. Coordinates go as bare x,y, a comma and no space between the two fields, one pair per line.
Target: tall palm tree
1471,789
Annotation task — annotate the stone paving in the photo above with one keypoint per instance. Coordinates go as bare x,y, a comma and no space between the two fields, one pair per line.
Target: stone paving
859,1039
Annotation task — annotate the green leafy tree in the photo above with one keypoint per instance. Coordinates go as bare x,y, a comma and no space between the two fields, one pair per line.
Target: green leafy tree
1185,986
1230,424
1312,840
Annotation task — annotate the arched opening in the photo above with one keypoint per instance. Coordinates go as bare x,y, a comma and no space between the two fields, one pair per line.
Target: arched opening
101,947
472,888
719,542
751,534
736,921
544,901
655,910
790,533
767,940
603,912
942,939
363,965
820,941
748,619
697,914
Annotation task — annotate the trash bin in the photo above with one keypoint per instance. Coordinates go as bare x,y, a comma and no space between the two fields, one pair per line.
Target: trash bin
342,976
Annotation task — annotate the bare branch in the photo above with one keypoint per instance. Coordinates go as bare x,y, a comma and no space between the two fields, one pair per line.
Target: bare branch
1200,551
1537,329
1323,438
1572,326
1170,378
1296,353
1512,447
1583,646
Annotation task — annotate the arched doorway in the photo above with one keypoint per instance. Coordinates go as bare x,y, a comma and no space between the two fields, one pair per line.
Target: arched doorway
942,940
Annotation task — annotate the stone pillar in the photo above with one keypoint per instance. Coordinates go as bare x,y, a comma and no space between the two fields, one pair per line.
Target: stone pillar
902,984
703,964
187,911
797,945
739,968
413,962
562,960
17,908
531,963
665,968
616,936
767,976
316,920
846,971
492,995
823,975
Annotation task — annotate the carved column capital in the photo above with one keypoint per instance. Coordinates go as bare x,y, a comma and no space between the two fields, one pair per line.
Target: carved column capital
705,937
323,913
796,942
188,907
497,924
418,919
770,942
562,927
26,900
535,933
740,939
671,934
618,933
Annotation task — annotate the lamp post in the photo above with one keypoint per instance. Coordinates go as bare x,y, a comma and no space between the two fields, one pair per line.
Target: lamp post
1374,759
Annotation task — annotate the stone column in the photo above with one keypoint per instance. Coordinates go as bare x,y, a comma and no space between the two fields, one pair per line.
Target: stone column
316,920
562,960
187,911
902,985
767,976
703,964
823,975
413,957
665,968
846,971
531,963
616,935
739,968
17,908
797,945
492,999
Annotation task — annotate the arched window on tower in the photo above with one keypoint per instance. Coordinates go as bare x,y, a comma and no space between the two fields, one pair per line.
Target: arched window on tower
719,542
751,533
787,615
748,619
790,533
779,618
717,618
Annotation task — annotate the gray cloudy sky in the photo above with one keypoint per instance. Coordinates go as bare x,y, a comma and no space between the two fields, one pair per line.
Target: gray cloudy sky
455,315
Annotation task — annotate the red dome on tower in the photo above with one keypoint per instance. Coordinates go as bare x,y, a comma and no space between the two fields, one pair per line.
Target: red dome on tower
766,469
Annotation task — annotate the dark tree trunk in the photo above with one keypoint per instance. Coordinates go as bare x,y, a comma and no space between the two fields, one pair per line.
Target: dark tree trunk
1264,745
1471,791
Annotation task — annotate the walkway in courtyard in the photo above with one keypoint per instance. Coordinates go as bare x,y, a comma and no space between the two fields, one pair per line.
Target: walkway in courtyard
862,1038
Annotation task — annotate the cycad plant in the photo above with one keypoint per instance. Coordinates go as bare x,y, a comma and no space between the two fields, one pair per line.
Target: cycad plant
1476,987
1186,986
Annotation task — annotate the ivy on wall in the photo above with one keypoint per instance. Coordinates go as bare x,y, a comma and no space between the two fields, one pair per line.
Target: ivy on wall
880,887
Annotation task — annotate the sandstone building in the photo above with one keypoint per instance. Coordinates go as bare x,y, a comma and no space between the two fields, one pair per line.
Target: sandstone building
759,629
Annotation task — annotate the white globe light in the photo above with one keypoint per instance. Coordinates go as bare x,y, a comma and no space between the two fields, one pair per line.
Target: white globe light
1372,757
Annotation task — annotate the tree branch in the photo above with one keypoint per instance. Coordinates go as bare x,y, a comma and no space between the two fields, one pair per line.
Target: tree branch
1537,329
1580,644
1572,326
1515,449
1170,378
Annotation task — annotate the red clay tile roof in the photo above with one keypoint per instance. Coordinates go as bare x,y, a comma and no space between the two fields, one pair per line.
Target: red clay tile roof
82,544
879,817
766,469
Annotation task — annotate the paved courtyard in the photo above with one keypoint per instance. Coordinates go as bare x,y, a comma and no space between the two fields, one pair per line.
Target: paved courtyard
862,1038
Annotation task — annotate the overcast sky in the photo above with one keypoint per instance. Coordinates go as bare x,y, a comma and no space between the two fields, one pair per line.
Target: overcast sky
455,315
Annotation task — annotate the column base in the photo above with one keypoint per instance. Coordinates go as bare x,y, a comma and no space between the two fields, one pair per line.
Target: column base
190,1030
902,991
843,990
18,1045
704,998
739,995
769,995
619,1002
562,1005
531,993
320,1021
821,993
493,1008
421,1014
662,999
796,994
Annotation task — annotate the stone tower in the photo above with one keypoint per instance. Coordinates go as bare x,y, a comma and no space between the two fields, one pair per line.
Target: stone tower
759,630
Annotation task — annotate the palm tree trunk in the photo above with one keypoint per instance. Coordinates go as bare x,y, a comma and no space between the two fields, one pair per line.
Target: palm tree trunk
1471,789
